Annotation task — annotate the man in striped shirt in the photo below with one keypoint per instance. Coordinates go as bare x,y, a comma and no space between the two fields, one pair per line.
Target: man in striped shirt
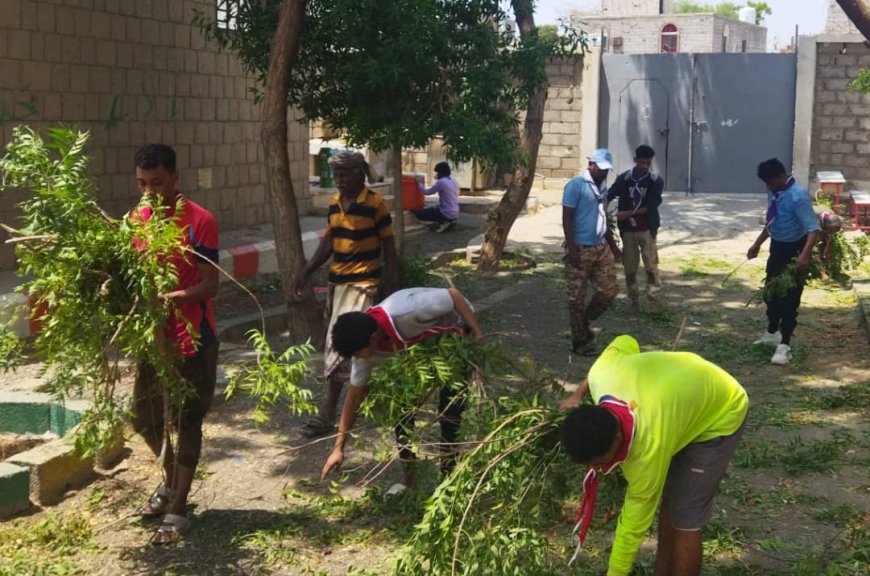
358,230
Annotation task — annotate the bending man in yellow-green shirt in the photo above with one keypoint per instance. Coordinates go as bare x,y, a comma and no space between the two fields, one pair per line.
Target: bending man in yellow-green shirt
672,420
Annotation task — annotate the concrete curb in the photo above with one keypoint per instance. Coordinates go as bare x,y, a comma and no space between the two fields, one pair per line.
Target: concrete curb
43,474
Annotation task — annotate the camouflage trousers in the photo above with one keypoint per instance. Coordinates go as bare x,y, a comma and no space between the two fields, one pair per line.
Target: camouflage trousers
637,246
596,267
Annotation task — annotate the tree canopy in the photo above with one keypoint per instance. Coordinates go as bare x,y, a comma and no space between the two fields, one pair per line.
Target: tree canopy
726,9
398,73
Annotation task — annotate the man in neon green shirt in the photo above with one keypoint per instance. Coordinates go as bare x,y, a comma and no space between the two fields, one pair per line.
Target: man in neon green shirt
672,420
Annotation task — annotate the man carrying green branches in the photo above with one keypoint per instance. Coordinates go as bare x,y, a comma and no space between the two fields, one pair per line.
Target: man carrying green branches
192,335
405,318
672,420
793,229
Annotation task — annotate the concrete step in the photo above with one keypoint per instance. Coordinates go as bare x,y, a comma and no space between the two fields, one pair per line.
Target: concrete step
14,489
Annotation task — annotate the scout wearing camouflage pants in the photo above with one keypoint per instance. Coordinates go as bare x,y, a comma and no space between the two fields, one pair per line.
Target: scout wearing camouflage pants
596,266
588,247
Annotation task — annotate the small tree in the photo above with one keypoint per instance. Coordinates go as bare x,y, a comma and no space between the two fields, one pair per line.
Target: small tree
502,219
762,11
304,319
393,75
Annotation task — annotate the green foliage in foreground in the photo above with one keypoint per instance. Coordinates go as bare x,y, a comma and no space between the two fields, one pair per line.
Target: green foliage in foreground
491,514
47,547
274,378
98,289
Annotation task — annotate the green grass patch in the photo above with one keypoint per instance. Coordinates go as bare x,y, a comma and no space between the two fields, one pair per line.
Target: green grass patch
799,457
850,396
48,547
699,266
755,454
838,514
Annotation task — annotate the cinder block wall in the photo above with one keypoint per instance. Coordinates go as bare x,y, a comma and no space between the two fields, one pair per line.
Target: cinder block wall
134,72
700,33
560,155
841,119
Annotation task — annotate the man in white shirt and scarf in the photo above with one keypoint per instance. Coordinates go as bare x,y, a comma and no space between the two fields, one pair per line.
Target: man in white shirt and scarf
590,249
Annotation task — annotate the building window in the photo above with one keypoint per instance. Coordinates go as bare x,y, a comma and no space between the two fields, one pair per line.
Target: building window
743,45
724,43
670,39
617,44
226,12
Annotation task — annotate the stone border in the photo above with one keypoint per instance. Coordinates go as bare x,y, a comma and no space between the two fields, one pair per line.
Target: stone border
43,474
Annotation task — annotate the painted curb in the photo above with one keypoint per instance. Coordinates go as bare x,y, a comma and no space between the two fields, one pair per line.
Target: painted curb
14,489
246,261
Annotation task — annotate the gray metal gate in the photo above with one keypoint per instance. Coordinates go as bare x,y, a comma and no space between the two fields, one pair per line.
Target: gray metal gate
710,117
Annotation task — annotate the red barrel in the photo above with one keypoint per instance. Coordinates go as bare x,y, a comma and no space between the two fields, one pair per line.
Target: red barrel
411,195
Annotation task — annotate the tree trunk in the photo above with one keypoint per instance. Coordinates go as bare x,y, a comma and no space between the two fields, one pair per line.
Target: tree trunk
505,214
305,320
398,199
858,12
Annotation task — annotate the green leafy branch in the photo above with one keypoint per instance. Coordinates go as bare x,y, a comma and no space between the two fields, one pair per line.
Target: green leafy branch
274,378
95,281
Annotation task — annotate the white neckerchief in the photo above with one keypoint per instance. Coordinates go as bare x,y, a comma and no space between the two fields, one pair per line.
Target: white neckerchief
601,196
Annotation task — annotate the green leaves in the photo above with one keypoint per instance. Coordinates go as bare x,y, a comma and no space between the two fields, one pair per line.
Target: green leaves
273,379
399,73
94,280
490,515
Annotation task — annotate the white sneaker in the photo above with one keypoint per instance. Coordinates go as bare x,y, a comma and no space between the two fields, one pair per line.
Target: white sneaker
396,490
769,339
782,355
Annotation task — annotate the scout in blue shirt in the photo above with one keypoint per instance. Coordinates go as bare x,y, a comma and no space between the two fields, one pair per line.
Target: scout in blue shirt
793,229
589,249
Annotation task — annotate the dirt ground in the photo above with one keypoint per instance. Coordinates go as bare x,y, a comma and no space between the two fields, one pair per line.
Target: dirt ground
796,499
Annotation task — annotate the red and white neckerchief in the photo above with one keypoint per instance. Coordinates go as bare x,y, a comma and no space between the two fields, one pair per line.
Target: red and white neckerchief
396,342
590,482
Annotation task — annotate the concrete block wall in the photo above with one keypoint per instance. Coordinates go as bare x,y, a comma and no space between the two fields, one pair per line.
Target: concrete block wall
560,154
736,33
134,72
630,7
701,33
841,119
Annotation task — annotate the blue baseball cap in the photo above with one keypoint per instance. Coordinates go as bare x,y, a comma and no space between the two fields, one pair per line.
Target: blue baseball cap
602,158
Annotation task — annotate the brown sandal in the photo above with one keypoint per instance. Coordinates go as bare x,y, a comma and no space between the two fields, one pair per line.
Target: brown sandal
156,505
317,426
170,531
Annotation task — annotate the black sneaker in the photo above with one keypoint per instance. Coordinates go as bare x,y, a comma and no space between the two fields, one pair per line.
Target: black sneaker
583,347
445,226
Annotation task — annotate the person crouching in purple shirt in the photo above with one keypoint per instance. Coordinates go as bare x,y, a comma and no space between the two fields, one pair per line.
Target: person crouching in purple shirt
445,214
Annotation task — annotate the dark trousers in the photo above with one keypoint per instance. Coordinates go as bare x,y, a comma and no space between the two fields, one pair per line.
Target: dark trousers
782,311
431,214
200,370
451,405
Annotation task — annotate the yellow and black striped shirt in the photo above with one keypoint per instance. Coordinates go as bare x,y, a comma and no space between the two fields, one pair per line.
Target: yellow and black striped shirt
357,235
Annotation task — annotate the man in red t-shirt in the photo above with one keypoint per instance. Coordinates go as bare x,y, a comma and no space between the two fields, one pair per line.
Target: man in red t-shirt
191,304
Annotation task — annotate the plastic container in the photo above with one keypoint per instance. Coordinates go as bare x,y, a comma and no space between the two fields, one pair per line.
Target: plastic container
411,195
323,169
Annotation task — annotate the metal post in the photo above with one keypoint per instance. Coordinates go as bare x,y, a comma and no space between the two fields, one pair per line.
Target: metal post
691,187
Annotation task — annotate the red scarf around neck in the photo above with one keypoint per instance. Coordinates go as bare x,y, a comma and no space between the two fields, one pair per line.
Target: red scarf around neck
590,482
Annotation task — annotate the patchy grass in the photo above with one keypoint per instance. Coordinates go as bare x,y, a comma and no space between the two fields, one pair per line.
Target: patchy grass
700,266
801,457
50,546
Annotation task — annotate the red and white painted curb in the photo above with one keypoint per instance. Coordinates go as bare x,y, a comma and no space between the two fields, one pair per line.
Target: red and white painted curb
241,261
